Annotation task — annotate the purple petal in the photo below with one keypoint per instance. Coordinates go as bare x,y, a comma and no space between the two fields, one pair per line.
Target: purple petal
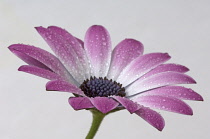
81,42
128,104
159,80
152,117
175,91
126,51
44,57
98,48
40,72
140,66
29,60
63,86
68,50
165,103
165,68
104,104
79,103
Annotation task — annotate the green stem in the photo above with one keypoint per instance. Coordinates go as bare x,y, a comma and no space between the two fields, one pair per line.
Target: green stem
97,119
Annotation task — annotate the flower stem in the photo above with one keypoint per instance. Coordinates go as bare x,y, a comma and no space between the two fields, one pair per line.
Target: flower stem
97,119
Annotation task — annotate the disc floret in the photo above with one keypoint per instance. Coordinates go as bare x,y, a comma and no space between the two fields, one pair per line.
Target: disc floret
102,87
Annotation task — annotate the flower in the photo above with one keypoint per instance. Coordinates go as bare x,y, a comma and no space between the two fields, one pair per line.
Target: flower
106,80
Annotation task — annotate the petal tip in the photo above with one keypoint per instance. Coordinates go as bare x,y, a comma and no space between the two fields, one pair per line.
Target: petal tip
21,68
193,81
160,127
136,41
97,28
186,68
39,29
12,47
167,55
201,98
49,86
198,97
190,80
190,112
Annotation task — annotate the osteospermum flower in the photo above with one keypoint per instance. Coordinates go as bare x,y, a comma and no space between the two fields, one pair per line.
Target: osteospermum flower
105,81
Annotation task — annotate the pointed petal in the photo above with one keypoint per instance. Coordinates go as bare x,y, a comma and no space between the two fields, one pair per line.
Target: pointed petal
68,50
81,42
40,72
104,104
98,48
165,103
44,57
140,66
152,117
128,104
126,51
175,91
79,103
165,68
159,80
63,86
29,60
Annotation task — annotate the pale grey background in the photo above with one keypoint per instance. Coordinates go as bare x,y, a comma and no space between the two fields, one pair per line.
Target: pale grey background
179,27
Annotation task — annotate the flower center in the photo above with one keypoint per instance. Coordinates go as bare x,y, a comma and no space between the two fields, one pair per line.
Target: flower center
102,87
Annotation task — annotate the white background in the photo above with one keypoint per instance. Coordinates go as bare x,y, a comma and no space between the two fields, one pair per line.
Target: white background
179,27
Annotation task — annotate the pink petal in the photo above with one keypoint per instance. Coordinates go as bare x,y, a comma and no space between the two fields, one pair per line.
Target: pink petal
126,51
152,117
165,68
68,50
128,104
104,104
63,86
79,103
40,72
140,66
98,48
81,42
175,91
165,103
44,57
159,80
29,60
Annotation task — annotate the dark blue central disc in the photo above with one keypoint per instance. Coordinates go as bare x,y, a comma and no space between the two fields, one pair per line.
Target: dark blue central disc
102,87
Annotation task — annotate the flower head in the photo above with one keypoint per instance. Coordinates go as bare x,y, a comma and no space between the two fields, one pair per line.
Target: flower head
107,80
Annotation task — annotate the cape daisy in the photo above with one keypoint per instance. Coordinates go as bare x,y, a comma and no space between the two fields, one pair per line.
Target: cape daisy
106,81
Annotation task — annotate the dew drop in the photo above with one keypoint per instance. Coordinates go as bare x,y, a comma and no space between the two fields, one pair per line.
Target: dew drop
163,107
